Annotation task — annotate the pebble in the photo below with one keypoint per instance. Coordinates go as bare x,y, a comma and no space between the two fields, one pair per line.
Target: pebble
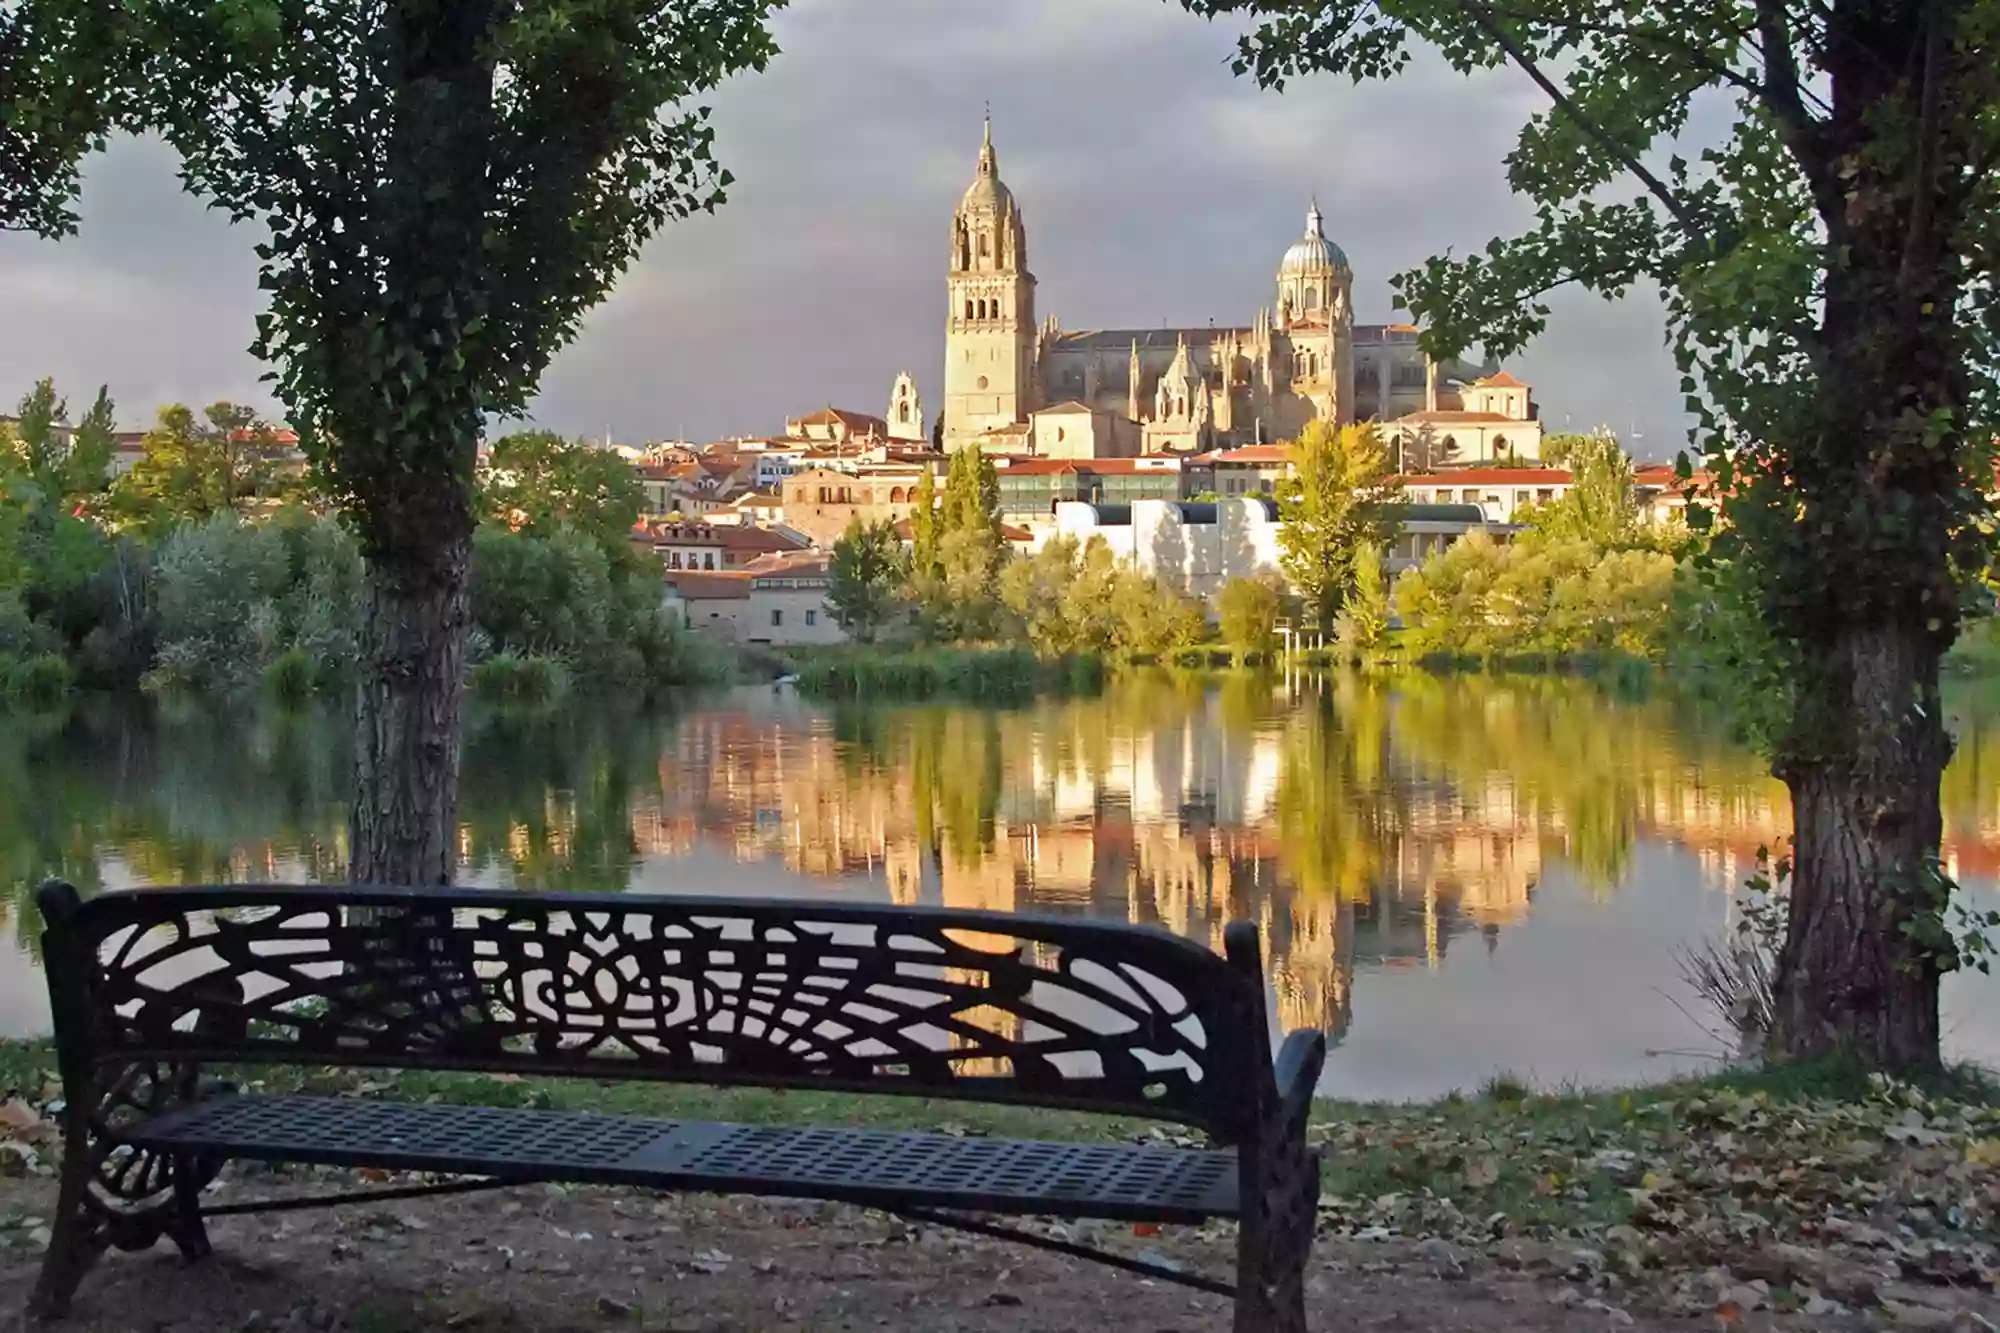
1444,1261
613,1308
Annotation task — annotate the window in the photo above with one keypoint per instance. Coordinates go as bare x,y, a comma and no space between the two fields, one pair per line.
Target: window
674,560
812,618
968,315
708,560
1312,298
777,617
982,381
1544,495
985,245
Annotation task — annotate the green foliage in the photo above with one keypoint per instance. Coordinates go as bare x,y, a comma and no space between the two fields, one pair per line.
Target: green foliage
289,678
1364,622
39,681
68,466
511,678
1549,600
1341,493
537,482
1827,264
1598,508
194,468
219,585
1071,598
924,522
1249,609
980,675
865,578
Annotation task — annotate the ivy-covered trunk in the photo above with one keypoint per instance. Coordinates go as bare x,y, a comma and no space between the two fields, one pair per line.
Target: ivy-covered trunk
1859,971
403,829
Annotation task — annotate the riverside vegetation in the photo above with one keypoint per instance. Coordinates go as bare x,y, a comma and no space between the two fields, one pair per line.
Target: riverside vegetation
214,567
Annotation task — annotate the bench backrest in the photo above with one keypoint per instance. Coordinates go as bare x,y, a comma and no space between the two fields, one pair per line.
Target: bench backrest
967,1005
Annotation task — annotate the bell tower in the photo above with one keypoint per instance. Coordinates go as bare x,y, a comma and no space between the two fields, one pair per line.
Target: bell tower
990,330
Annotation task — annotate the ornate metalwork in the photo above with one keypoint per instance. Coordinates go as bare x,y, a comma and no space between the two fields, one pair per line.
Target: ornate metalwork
148,986
975,1006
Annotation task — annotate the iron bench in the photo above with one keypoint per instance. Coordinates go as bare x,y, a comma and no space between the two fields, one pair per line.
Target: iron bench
150,987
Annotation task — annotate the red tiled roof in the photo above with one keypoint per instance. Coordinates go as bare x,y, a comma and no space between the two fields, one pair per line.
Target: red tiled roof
789,564
1444,417
723,536
1252,453
704,586
1503,380
1035,467
860,422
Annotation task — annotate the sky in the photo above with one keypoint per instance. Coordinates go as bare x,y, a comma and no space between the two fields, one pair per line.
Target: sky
1157,189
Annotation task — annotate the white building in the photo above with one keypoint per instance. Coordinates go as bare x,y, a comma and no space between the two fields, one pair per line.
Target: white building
778,600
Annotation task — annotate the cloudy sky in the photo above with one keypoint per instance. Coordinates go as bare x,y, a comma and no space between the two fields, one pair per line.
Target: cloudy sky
1157,189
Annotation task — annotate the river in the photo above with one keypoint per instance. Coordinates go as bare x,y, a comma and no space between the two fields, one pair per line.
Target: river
1455,877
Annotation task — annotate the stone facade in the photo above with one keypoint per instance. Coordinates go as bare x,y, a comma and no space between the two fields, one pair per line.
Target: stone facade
1178,390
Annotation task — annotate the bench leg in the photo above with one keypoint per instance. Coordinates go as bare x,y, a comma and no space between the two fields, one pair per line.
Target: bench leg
77,1240
185,1224
1275,1241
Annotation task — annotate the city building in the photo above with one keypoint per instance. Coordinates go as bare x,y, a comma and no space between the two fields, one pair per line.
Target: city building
820,502
697,545
776,600
1182,390
1495,422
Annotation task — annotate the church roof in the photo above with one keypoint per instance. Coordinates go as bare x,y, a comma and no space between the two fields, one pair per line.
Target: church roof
1442,417
987,193
1313,254
834,416
1500,381
1067,409
1121,340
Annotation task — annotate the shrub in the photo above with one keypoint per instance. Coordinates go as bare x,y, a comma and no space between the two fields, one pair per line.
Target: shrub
291,677
516,679
39,682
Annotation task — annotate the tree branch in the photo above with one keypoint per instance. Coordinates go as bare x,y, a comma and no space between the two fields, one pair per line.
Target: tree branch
1676,206
1801,133
1930,128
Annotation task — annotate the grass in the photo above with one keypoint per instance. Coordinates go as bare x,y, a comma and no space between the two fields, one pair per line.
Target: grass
1009,675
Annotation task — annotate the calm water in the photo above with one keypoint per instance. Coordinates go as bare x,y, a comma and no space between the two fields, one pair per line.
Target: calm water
1454,877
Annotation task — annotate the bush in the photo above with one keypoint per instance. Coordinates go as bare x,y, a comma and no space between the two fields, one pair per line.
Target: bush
983,675
38,682
1249,609
514,679
291,677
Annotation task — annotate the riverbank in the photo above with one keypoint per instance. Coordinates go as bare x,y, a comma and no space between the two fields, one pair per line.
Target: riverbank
971,674
1805,1191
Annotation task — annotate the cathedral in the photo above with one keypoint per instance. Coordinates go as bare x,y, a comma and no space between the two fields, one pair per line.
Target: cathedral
1015,384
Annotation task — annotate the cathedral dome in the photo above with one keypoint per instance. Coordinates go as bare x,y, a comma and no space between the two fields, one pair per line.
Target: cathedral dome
1313,254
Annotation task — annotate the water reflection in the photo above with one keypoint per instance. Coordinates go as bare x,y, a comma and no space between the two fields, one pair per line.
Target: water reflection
1504,865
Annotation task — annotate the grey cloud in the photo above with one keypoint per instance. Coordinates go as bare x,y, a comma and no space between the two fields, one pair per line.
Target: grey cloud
1157,187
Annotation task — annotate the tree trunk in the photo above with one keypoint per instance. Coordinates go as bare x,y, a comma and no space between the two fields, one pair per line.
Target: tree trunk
1858,974
404,828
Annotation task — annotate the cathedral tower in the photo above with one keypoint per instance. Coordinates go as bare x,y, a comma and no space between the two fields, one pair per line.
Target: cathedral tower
1316,314
990,332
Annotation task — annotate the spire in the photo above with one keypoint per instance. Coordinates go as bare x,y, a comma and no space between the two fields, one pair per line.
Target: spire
1314,222
989,164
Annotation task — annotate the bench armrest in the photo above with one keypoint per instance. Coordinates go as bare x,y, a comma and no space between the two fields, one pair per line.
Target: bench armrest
1297,1068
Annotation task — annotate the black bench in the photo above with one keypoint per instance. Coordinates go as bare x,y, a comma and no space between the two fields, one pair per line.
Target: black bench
149,987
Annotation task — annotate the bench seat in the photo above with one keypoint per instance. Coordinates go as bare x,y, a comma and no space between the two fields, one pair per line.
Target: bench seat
882,1168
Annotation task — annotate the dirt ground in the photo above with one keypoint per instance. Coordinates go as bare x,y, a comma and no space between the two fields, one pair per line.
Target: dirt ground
557,1260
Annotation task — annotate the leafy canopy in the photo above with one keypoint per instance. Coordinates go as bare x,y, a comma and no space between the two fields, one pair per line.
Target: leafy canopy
865,578
1340,493
538,482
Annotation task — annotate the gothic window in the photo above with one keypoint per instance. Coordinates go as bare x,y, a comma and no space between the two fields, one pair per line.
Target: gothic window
903,413
985,245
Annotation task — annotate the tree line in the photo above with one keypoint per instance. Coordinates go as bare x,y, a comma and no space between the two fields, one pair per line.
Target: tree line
216,565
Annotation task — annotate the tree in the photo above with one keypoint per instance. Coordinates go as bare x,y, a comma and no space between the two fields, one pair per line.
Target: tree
864,577
1340,493
1364,621
924,526
537,482
1827,267
67,465
191,469
447,186
1249,610
1599,508
970,550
